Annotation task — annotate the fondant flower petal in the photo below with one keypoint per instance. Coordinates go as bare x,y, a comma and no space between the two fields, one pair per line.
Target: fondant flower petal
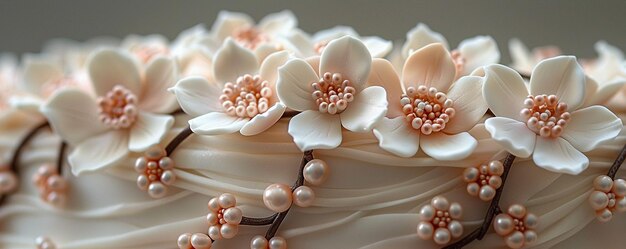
383,74
477,52
197,96
334,33
216,123
606,91
229,22
447,147
315,130
431,66
294,85
349,57
420,36
99,152
73,115
269,67
558,155
264,121
397,137
161,74
513,135
37,72
108,68
377,46
279,22
591,126
368,107
469,104
561,76
148,130
520,55
505,91
232,61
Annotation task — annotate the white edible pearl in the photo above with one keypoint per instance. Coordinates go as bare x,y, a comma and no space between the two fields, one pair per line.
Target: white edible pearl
503,224
166,163
619,187
496,168
258,242
214,204
604,215
487,193
315,172
621,204
277,197
598,200
456,211
530,236
517,211
56,199
470,174
212,219
56,183
233,216
427,212
531,221
425,230
8,182
229,231
140,164
184,241
214,232
157,190
168,177
142,182
442,236
603,183
473,189
440,203
200,241
227,200
455,228
278,243
155,152
303,196
515,240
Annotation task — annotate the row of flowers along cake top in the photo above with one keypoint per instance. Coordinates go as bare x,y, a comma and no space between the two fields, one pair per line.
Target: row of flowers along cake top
242,77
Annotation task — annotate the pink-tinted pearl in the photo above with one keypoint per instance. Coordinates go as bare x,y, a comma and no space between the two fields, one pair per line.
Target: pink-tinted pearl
427,212
455,228
201,241
496,168
215,233
233,215
530,236
456,210
473,189
8,182
517,211
141,164
470,174
598,200
603,183
277,197
142,182
212,219
503,224
157,190
442,236
316,172
184,241
486,193
531,220
515,240
227,200
214,204
303,196
278,243
166,163
619,187
440,203
425,230
155,152
259,242
621,204
168,177
56,199
56,183
228,231
604,215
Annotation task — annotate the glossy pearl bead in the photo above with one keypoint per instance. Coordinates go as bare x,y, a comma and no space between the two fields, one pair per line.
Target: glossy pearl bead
214,205
8,182
277,197
258,242
184,241
155,152
496,168
233,215
604,215
56,183
470,174
278,243
227,200
487,193
455,228
603,183
515,240
141,164
440,203
530,237
315,172
531,221
456,211
157,190
425,230
503,224
229,231
200,241
621,205
166,163
56,199
303,196
427,212
598,200
215,233
442,236
517,211
212,219
619,187
473,189
142,182
168,177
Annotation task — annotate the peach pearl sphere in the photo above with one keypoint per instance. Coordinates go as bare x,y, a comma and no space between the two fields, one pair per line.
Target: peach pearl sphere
278,197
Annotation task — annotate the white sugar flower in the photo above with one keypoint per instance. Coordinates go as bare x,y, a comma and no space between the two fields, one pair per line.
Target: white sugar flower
608,72
470,55
545,121
243,97
124,115
429,109
336,95
525,60
313,46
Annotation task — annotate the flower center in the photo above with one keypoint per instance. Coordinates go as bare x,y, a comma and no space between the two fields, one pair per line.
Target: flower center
320,46
459,61
427,109
250,37
442,218
118,109
332,93
545,115
247,97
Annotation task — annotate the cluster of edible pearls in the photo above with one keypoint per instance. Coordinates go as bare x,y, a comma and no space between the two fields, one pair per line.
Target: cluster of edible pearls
223,217
260,242
332,93
484,180
250,37
118,109
426,109
247,97
43,242
194,241
155,172
516,226
8,180
439,221
459,61
545,115
278,197
608,197
52,187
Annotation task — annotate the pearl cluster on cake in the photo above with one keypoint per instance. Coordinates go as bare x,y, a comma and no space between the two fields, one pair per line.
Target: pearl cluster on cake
332,93
439,221
155,172
607,197
8,180
52,187
545,115
260,242
43,242
483,180
247,97
118,109
194,241
224,217
427,109
516,225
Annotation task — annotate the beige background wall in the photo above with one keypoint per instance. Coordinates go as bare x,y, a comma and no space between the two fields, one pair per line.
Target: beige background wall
572,24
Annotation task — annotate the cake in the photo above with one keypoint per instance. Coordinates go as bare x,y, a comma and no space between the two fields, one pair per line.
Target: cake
259,135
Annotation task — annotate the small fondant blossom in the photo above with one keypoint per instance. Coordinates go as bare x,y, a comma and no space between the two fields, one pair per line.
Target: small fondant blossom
484,180
333,96
516,226
470,55
122,118
155,172
439,221
545,121
607,197
224,217
243,98
51,185
608,72
428,109
314,45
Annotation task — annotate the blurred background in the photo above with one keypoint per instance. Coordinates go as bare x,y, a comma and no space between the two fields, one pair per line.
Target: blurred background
574,25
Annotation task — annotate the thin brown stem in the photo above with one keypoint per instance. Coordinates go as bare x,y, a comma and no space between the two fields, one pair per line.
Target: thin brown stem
184,134
618,163
61,157
494,209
